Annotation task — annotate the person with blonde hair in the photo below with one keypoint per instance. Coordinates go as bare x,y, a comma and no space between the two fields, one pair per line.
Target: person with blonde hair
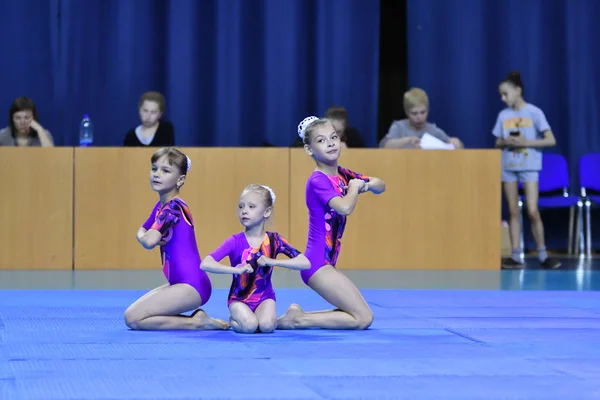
407,133
253,256
331,196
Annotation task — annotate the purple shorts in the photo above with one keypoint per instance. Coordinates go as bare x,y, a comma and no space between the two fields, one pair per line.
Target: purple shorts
199,281
314,267
252,305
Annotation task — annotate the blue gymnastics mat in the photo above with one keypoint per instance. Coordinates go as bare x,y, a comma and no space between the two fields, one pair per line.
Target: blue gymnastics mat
424,344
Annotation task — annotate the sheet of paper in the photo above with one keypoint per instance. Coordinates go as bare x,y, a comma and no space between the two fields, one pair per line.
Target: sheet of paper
429,142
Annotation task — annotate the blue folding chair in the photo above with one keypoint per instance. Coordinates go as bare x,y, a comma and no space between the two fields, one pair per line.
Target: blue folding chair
554,193
589,180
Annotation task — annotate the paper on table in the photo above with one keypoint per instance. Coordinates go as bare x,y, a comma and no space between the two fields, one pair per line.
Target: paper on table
429,142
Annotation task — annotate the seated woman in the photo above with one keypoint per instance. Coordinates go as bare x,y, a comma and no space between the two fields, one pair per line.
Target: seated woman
23,127
350,136
152,132
407,133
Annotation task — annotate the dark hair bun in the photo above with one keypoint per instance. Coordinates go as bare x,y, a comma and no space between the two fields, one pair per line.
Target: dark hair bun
514,78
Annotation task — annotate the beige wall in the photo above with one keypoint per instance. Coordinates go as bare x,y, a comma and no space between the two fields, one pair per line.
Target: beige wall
83,206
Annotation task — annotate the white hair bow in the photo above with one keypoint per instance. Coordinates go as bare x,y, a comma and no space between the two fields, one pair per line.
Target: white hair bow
304,124
271,192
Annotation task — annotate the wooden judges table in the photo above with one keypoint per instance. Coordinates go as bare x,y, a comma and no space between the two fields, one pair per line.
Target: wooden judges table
65,208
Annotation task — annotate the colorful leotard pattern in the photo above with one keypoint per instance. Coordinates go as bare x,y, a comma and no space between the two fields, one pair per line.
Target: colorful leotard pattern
253,288
180,256
325,225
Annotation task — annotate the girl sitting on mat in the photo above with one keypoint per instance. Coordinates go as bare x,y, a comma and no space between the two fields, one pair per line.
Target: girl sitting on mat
252,256
170,226
331,195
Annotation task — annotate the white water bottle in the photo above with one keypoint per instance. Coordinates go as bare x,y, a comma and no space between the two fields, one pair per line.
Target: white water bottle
86,132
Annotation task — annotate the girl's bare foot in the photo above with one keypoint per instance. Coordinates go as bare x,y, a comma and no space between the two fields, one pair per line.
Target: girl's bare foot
207,323
290,319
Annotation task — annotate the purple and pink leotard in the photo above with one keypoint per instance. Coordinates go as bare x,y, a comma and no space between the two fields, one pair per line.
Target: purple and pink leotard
325,225
253,288
180,256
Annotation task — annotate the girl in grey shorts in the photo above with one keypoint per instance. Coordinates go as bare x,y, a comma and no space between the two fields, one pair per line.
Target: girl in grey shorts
521,130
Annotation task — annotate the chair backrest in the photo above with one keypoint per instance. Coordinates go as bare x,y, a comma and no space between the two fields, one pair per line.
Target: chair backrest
589,171
554,174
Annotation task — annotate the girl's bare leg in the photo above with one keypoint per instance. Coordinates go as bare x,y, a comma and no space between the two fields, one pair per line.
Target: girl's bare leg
243,320
352,311
511,193
161,308
267,316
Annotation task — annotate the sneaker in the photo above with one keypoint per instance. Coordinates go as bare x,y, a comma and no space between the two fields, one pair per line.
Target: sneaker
551,263
509,263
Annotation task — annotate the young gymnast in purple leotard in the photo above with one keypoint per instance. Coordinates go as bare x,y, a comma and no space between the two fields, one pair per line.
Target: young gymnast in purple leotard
331,195
170,226
251,296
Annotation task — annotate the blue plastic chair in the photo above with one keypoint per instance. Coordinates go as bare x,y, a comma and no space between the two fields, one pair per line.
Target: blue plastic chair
554,193
589,180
